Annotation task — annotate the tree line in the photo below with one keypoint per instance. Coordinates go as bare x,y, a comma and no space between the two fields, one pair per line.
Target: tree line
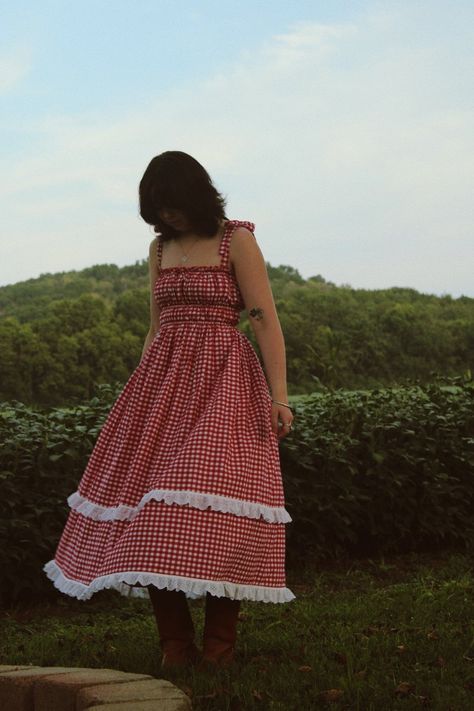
62,334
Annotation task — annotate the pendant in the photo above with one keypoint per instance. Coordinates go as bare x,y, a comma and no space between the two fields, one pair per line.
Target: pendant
183,259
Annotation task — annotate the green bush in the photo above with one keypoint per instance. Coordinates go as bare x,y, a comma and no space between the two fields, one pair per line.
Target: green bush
381,471
384,470
42,459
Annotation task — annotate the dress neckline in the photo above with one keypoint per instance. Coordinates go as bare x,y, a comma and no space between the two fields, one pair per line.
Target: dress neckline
209,267
196,266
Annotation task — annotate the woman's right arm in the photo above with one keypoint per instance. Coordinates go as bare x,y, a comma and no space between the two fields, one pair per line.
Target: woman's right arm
154,308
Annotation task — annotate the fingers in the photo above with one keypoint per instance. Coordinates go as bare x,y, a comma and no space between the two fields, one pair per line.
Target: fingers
284,430
281,421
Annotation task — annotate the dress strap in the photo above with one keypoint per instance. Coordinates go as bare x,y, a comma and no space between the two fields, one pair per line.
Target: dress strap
224,247
159,250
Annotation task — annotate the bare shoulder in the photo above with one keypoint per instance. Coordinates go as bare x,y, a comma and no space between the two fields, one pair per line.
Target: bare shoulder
243,233
247,259
243,245
252,277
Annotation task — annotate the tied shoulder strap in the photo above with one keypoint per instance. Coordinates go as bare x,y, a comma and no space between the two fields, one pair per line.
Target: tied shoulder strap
228,232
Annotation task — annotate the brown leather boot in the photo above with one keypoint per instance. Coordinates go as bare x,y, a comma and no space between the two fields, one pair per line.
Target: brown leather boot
175,627
220,632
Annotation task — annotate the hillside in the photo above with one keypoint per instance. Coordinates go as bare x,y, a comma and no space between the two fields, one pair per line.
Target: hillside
62,333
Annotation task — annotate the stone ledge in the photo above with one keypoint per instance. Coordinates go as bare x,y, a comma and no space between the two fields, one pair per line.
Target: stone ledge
33,688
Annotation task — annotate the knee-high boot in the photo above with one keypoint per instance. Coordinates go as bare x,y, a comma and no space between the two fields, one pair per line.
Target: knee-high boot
220,631
175,627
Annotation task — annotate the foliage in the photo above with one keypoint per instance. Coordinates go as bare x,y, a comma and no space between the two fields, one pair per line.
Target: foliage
62,332
382,470
361,634
42,457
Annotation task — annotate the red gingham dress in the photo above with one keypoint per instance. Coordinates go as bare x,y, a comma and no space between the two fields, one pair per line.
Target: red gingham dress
183,489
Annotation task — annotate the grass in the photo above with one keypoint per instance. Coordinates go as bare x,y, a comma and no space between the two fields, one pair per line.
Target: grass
369,635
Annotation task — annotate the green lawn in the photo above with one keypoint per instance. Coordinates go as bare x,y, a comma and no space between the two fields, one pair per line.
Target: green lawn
381,634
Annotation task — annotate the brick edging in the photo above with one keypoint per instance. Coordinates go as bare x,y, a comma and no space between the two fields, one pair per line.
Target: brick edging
33,688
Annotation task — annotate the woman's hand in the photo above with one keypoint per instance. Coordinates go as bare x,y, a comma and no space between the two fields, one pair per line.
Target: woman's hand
282,417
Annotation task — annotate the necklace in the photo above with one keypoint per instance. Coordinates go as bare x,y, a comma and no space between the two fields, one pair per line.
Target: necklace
185,257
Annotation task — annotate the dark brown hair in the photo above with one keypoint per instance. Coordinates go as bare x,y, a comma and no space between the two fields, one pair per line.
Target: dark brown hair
175,179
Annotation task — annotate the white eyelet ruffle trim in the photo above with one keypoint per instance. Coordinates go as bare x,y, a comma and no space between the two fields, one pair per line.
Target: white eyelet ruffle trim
239,507
192,587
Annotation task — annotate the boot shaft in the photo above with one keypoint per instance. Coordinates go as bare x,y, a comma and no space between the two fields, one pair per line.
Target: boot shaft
220,630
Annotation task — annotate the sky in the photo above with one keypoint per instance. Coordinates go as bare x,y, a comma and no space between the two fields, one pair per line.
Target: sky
343,130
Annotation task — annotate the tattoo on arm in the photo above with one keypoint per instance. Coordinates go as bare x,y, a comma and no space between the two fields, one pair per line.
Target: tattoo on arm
256,313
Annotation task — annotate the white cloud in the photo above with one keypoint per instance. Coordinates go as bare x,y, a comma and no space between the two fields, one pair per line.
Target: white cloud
339,141
14,65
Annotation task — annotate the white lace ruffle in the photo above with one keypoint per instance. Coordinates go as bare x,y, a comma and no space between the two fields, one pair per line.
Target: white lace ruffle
192,587
272,514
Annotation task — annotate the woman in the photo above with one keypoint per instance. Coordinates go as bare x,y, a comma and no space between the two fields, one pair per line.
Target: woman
182,495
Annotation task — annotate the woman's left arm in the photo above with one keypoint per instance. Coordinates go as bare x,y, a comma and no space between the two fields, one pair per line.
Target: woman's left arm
252,277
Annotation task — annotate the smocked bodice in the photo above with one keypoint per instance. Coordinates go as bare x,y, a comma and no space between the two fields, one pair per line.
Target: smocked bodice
201,293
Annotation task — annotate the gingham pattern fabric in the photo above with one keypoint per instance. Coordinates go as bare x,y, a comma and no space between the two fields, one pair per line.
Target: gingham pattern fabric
183,488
